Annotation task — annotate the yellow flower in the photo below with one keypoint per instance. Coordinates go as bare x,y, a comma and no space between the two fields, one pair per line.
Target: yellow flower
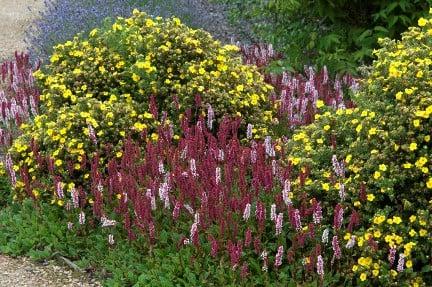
377,234
36,193
54,58
359,128
347,236
363,276
382,167
326,127
348,158
58,162
429,183
422,22
364,261
377,175
135,77
407,165
421,162
140,126
413,146
379,219
355,268
399,96
370,197
319,104
325,186
149,23
408,264
154,136
375,272
423,232
240,88
119,154
397,219
372,131
409,91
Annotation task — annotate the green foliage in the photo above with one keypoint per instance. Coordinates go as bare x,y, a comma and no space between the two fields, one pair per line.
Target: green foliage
40,232
340,34
385,145
5,190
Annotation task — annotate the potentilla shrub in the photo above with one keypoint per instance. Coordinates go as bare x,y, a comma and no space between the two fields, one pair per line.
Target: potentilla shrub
145,57
375,160
126,79
63,146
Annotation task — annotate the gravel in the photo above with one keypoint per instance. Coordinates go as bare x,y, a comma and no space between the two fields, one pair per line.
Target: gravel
22,272
15,16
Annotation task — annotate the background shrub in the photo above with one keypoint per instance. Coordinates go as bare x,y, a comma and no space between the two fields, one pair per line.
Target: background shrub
339,34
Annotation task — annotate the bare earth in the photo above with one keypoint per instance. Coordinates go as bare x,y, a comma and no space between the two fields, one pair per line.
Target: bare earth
14,18
21,272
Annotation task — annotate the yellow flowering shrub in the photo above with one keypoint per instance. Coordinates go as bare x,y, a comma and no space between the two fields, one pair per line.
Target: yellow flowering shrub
119,82
385,150
144,57
71,137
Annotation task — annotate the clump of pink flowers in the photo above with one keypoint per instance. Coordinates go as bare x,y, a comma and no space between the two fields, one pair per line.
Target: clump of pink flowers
19,96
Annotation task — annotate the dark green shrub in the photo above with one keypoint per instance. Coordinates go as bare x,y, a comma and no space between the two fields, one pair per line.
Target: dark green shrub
338,33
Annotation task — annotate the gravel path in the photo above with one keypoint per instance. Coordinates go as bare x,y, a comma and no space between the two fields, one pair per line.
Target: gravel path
15,15
21,272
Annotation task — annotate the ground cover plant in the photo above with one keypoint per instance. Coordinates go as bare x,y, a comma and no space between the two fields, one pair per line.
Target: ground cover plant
199,189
